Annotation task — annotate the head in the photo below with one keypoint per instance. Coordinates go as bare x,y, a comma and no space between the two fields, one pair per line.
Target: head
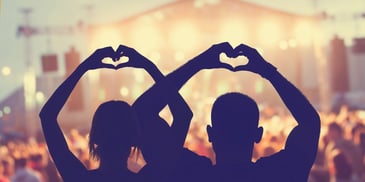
114,130
234,129
334,132
340,165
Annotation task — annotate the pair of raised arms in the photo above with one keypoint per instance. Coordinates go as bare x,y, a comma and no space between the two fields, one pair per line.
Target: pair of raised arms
256,63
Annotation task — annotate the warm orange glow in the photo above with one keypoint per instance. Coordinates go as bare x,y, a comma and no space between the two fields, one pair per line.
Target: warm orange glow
106,36
146,37
233,31
183,36
269,33
304,32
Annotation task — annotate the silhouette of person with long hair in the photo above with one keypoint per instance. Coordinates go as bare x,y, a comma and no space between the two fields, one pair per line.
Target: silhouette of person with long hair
115,126
235,129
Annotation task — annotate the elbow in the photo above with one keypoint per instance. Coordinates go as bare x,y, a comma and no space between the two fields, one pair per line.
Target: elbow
188,115
46,115
42,114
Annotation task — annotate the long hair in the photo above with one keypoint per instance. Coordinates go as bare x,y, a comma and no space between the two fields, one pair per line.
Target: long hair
114,126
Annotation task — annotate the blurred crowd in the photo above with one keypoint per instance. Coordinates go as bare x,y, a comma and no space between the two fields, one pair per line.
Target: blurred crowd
341,152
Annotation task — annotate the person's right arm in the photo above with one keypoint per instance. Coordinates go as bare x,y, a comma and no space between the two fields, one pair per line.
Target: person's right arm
302,141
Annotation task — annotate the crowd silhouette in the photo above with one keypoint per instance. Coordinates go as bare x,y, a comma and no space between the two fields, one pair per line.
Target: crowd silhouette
119,129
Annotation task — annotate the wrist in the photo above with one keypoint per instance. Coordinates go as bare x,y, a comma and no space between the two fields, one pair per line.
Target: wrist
82,67
268,71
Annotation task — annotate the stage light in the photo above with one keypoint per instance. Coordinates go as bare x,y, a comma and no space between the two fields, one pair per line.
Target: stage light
283,45
39,96
7,110
6,71
124,91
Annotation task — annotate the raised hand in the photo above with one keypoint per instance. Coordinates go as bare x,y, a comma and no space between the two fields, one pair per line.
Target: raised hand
256,63
210,58
135,59
95,60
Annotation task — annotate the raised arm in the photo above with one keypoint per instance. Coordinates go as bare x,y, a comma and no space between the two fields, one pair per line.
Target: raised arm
303,139
157,134
67,164
165,90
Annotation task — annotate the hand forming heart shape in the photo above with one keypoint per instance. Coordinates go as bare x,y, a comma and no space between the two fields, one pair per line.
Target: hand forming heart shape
236,61
225,56
115,62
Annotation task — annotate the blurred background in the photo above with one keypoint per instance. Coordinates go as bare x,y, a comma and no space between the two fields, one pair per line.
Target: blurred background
319,45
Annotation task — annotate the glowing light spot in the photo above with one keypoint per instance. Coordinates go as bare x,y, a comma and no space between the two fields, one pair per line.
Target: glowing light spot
7,110
259,86
39,96
102,94
6,71
124,91
283,45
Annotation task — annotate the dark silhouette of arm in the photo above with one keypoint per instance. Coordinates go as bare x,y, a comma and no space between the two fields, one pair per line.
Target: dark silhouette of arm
162,92
67,164
158,138
206,60
302,143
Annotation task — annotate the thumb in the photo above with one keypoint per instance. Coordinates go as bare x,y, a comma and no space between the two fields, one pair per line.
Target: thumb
227,66
123,65
242,68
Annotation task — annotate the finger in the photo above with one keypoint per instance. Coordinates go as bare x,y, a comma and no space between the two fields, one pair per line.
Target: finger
243,49
123,50
226,66
226,48
241,68
110,66
123,65
110,53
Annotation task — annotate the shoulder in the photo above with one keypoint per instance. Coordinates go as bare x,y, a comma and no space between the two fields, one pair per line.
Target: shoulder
188,156
282,166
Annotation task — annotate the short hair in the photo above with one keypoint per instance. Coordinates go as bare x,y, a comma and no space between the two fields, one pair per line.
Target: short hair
235,110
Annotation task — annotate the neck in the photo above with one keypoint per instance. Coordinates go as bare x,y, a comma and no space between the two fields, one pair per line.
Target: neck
233,157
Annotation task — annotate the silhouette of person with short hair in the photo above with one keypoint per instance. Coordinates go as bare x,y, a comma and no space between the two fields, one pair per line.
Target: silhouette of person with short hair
235,129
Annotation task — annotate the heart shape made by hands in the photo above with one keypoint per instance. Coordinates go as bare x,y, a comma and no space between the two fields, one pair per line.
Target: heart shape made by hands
121,60
239,60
